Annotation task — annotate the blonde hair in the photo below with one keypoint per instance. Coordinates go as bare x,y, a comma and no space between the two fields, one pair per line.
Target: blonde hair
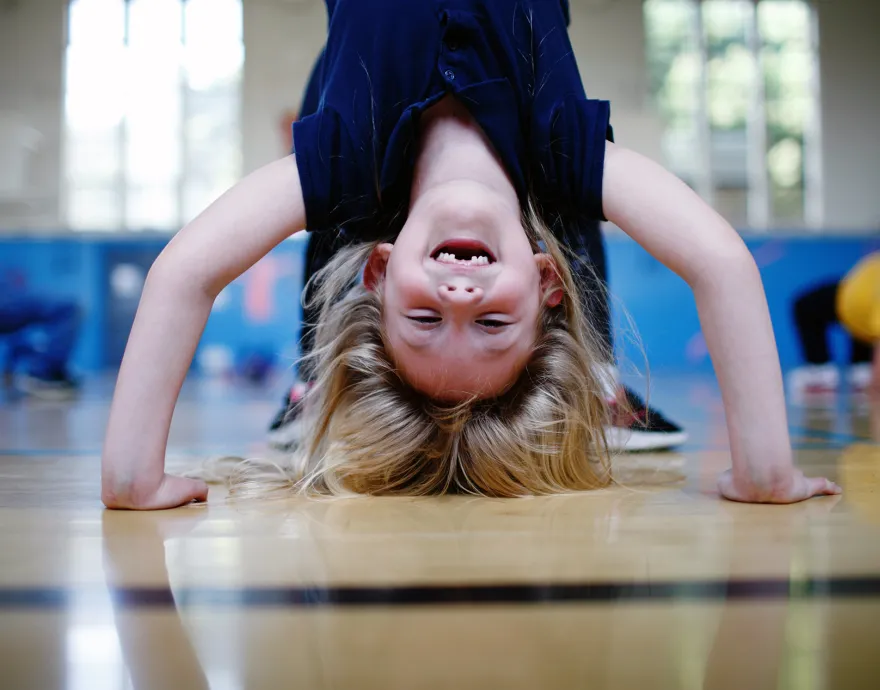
370,432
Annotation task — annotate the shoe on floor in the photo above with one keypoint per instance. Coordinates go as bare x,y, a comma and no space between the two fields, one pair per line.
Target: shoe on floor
638,427
813,379
57,387
285,431
859,376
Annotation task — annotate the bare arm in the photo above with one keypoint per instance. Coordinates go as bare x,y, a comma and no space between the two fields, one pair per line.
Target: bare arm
672,223
228,238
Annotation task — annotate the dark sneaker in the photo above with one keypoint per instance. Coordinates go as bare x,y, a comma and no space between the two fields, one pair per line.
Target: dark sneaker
59,387
639,427
285,431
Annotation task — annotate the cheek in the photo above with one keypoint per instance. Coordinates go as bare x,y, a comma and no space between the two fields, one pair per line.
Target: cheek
390,338
404,286
407,365
521,293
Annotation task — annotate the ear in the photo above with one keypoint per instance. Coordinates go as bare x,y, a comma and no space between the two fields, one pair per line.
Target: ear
376,264
551,285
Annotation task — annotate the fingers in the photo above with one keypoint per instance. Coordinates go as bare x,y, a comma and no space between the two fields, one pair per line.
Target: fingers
179,491
190,490
820,486
171,493
800,489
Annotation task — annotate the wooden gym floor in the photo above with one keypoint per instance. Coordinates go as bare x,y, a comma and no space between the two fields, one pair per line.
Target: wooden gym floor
657,584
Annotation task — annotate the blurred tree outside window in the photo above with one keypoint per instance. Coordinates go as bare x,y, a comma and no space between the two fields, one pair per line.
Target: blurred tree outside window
736,85
152,110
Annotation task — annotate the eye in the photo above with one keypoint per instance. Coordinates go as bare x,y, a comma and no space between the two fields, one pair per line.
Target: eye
427,320
492,323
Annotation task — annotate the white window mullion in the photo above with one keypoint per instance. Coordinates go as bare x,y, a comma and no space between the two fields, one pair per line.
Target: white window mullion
185,108
122,182
814,197
759,189
64,175
122,175
91,148
704,181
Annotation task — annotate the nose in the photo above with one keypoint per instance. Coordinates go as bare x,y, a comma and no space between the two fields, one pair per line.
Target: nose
460,293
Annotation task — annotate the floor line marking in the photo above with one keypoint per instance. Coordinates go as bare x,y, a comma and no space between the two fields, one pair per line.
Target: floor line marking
445,595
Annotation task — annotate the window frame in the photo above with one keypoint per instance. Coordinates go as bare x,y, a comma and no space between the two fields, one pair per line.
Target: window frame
122,189
759,211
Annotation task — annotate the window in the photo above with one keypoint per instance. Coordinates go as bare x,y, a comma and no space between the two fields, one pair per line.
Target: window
736,85
152,110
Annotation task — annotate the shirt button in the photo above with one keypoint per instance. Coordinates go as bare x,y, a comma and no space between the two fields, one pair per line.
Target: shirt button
449,74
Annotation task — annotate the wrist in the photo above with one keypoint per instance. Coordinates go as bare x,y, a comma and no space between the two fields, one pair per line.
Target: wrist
125,489
769,464
765,483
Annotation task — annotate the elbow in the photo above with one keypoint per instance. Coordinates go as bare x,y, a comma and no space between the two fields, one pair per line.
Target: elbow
728,260
174,272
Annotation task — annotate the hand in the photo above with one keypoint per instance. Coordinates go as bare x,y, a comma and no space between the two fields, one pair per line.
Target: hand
796,488
170,493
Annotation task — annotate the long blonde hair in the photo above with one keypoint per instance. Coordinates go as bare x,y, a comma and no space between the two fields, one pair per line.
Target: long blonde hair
369,432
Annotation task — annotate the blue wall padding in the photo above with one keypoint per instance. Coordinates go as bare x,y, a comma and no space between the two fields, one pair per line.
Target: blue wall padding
260,312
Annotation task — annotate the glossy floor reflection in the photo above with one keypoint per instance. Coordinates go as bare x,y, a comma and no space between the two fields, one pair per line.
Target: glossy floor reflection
652,584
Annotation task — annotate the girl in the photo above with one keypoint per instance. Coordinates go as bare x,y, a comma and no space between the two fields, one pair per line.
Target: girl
450,134
633,425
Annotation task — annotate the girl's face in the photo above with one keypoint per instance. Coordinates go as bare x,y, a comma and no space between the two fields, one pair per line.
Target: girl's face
462,293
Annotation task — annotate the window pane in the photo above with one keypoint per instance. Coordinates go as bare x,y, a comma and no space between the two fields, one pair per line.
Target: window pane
152,157
155,23
152,208
152,110
212,136
91,23
675,75
214,48
93,109
93,158
197,197
213,21
740,104
731,80
209,66
784,26
153,116
214,56
93,208
93,99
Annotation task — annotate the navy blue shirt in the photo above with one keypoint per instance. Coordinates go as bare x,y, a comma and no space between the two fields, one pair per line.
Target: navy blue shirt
510,62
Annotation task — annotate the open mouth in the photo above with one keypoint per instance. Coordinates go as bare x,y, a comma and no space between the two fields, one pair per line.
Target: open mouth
463,253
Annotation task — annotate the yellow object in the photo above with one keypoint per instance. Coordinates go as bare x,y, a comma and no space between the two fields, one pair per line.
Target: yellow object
858,300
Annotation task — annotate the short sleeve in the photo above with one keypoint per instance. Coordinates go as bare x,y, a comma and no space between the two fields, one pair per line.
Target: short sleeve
572,156
566,11
338,185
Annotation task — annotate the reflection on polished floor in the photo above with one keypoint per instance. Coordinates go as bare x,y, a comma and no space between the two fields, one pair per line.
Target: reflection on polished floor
652,584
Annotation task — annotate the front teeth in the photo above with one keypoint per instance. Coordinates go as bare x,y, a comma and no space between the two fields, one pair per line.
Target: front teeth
448,258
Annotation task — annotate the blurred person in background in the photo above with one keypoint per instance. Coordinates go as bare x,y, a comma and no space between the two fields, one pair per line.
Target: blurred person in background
854,303
39,333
